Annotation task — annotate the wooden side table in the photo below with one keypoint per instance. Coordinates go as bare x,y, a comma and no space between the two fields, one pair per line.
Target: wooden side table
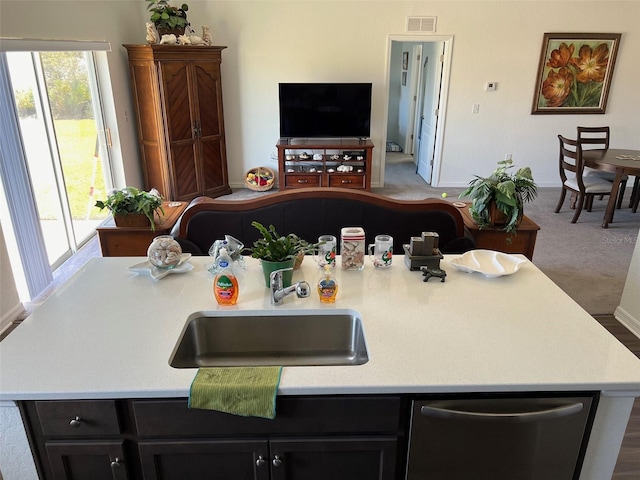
133,242
491,238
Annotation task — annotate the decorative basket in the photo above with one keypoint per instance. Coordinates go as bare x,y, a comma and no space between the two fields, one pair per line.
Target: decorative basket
260,179
132,220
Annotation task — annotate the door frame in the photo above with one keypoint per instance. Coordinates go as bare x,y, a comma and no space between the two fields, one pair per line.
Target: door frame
444,93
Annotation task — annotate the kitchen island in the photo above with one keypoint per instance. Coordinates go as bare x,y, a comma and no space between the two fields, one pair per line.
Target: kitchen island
108,334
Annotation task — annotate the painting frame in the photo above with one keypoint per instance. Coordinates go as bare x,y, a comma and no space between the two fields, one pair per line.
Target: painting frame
575,72
405,60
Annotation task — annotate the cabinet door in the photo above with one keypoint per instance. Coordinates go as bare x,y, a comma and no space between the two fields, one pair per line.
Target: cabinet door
211,148
196,460
100,460
181,126
335,458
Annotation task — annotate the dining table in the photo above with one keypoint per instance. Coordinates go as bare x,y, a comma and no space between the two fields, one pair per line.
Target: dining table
620,161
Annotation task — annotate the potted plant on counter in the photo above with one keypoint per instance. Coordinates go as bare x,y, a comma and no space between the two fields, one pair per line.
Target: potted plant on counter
132,207
498,200
278,251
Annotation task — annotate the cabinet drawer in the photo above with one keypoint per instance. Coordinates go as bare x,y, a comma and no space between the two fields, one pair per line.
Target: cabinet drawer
347,181
335,415
78,418
302,181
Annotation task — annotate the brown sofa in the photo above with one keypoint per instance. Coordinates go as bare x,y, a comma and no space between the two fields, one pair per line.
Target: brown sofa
311,212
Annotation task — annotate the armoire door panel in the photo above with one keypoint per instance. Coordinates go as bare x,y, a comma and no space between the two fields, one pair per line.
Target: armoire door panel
176,98
213,166
209,104
184,171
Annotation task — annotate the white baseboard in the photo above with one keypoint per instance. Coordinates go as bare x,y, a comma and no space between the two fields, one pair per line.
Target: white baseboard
628,320
10,316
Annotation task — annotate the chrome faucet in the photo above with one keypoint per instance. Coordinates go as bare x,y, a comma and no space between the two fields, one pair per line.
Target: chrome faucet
278,292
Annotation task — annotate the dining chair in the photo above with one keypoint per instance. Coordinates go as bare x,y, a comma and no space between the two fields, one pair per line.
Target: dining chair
597,138
574,179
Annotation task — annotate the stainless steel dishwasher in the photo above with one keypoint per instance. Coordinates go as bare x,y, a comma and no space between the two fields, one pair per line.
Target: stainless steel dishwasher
498,438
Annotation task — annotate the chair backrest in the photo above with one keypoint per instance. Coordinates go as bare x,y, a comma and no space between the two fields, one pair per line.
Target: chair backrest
571,160
594,137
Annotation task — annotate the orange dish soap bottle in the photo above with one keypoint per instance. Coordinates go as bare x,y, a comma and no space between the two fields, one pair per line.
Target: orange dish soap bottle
327,286
225,284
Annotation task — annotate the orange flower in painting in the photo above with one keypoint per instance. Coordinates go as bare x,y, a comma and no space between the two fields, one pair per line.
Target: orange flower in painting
591,64
556,88
560,57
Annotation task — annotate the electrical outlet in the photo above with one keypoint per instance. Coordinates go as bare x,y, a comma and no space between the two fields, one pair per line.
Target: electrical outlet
476,108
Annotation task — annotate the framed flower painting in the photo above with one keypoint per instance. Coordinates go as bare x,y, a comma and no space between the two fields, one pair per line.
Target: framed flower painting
575,71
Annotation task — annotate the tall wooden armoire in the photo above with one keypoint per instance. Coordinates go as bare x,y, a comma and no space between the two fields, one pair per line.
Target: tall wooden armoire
177,93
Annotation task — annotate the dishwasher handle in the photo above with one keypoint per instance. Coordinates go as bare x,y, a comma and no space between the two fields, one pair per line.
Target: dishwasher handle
531,416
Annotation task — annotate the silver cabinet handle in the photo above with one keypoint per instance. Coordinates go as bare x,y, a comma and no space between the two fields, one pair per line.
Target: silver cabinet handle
260,462
117,463
75,422
277,461
556,412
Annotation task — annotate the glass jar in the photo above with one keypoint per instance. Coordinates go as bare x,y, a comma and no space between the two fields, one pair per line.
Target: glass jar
164,252
352,248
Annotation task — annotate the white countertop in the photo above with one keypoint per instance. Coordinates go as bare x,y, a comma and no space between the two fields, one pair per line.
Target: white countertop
108,333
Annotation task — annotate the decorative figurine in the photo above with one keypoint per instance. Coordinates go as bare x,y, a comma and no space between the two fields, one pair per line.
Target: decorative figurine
433,272
206,35
152,34
196,40
168,39
184,40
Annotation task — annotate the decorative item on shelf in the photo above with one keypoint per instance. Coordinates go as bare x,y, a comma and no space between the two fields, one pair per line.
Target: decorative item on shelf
259,179
206,35
317,156
168,39
167,18
278,251
132,207
152,34
498,200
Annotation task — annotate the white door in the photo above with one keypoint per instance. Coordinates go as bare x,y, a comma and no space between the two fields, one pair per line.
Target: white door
431,76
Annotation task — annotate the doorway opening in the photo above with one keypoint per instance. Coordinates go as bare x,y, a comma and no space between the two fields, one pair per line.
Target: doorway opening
418,79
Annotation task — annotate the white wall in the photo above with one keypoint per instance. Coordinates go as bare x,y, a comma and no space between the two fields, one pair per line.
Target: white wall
10,306
628,312
294,40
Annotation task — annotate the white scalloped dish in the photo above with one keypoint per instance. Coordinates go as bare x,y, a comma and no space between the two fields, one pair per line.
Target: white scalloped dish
158,273
488,262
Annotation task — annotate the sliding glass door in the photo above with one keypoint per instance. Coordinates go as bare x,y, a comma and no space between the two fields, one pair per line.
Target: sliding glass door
64,141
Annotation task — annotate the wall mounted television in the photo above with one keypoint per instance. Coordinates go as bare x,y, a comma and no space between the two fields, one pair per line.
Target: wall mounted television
325,110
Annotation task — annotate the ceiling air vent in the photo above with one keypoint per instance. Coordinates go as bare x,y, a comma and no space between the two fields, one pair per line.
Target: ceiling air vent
421,24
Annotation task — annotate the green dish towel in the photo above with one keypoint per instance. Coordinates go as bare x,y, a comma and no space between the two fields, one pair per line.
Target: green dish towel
246,391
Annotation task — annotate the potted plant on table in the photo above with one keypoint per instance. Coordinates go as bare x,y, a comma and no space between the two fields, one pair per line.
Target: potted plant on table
498,200
132,207
278,251
168,18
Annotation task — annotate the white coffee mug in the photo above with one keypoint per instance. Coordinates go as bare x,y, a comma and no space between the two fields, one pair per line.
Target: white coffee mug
381,252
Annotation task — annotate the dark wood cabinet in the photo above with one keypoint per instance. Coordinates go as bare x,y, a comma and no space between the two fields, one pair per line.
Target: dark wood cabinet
344,163
177,93
77,439
312,437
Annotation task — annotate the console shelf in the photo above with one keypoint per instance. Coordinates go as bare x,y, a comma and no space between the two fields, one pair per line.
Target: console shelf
342,163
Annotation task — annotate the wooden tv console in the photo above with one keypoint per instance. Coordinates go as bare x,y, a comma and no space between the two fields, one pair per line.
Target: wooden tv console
337,162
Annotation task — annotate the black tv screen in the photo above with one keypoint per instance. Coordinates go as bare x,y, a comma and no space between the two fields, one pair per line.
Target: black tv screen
325,110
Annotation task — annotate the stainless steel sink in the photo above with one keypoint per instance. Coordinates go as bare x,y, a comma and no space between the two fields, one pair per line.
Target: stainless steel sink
242,338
